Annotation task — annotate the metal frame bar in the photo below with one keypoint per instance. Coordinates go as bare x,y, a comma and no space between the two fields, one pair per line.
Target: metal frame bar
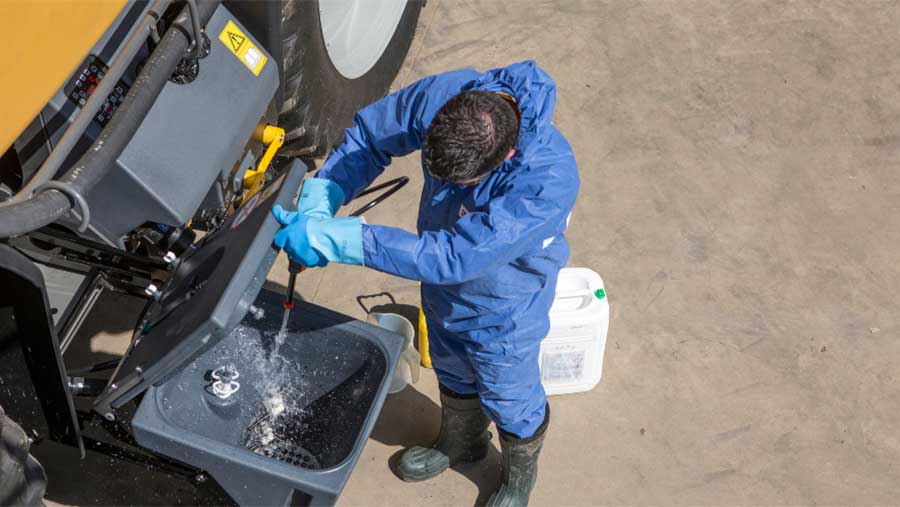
77,311
121,434
80,254
34,334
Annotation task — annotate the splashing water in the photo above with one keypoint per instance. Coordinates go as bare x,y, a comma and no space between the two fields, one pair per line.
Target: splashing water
281,405
282,333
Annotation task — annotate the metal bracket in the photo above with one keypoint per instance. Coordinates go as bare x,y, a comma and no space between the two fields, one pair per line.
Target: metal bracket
197,39
188,68
78,201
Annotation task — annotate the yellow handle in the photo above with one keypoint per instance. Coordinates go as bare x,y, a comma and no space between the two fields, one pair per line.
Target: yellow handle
255,179
423,340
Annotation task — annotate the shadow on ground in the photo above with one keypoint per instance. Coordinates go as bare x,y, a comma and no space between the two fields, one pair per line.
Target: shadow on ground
410,418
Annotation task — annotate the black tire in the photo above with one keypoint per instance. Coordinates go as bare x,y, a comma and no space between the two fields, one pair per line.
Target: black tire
22,478
319,102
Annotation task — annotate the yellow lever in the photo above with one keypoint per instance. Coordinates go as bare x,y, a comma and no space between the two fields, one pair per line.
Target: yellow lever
254,179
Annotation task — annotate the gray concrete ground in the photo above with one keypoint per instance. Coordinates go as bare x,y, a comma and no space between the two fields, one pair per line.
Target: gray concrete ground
740,198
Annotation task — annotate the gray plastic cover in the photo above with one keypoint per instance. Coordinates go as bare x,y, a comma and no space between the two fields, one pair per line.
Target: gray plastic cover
207,295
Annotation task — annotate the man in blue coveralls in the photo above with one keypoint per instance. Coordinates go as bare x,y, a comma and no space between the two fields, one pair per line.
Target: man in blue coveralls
500,183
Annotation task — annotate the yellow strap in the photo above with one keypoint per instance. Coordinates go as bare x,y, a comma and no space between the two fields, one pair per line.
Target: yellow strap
423,340
255,179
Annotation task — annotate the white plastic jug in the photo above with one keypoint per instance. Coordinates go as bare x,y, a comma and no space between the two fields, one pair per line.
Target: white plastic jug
572,353
407,371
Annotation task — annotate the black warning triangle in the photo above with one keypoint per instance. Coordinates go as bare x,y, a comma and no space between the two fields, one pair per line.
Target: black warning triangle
237,40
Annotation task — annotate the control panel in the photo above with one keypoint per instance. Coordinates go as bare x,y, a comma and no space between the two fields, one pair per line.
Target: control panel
78,90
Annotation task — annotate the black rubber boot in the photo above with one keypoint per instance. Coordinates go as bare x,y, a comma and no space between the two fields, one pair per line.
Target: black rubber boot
463,439
520,467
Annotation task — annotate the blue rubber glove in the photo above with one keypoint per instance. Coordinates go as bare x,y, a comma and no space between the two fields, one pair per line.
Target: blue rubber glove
317,241
320,197
292,237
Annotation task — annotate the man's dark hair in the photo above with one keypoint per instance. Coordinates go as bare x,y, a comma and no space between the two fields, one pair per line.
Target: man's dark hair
470,135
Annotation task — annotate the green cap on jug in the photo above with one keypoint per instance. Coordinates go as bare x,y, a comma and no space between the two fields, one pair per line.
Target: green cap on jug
600,293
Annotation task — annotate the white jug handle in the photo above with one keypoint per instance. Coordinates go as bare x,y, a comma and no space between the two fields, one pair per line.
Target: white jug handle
584,294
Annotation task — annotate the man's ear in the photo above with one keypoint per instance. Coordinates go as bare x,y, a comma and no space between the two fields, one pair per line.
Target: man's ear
509,155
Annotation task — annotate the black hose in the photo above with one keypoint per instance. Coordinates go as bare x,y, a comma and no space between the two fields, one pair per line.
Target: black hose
395,184
50,205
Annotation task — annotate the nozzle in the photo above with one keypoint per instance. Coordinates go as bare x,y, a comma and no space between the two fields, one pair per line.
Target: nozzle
293,268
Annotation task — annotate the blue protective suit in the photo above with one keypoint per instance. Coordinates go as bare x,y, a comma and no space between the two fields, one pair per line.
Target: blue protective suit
487,255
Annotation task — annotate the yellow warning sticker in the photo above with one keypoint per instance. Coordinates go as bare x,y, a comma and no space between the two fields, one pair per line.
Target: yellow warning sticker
243,48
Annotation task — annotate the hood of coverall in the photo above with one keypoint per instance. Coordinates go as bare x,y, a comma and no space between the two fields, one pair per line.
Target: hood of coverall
535,93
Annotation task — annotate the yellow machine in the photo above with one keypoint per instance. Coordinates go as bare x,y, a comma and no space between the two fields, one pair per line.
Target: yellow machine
42,58
143,144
